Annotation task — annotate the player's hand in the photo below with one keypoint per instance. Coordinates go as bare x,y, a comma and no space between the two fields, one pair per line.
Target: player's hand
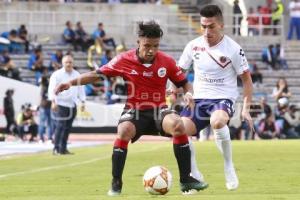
188,99
61,87
247,117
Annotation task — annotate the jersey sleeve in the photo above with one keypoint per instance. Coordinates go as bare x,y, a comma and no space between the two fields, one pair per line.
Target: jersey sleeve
186,59
175,73
112,68
239,62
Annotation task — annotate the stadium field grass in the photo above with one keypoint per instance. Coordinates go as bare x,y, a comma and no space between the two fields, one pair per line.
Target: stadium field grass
267,170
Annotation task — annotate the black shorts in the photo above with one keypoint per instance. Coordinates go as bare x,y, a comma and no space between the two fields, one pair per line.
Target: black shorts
146,122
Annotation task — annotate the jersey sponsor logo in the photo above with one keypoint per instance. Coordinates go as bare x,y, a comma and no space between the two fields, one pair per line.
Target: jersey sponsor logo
148,74
198,48
162,72
211,80
133,72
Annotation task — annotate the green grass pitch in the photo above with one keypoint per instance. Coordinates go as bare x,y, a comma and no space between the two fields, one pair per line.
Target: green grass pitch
267,170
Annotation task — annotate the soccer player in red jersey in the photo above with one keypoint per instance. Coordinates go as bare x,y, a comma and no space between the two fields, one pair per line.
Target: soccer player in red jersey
146,71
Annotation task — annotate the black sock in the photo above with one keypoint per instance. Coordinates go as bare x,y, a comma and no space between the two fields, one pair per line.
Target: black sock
183,156
119,158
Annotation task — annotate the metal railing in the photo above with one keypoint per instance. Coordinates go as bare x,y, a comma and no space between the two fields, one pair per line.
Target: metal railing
53,22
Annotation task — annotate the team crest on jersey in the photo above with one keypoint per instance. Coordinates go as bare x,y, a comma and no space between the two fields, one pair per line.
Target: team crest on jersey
162,72
223,59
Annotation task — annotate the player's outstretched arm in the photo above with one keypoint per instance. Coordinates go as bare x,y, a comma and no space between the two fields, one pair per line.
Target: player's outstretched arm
248,90
83,79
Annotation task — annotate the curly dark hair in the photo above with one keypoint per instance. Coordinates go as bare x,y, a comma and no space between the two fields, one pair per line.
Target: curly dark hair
149,29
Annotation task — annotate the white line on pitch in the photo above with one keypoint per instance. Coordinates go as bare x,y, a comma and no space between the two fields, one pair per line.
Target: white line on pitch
66,165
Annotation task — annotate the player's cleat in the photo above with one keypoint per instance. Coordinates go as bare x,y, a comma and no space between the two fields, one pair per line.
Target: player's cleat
67,152
116,187
192,186
232,182
232,185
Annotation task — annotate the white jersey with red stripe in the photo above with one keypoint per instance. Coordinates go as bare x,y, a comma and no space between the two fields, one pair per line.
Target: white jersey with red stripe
216,68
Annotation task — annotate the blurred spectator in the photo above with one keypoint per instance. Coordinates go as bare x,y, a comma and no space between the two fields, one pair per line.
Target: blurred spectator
16,43
237,18
266,12
100,35
108,81
258,112
265,107
7,67
106,57
276,15
44,111
263,110
69,35
114,1
291,125
55,60
268,56
255,73
92,89
36,64
83,38
64,104
252,22
279,54
13,36
26,123
9,111
294,7
190,75
268,128
281,90
280,110
23,34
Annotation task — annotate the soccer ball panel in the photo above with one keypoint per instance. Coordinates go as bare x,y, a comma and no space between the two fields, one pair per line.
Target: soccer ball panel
157,180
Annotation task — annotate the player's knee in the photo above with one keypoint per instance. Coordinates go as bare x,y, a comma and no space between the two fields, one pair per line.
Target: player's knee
218,123
126,132
177,127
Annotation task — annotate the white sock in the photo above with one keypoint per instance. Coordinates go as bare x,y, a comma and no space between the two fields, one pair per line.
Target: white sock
223,142
222,139
195,172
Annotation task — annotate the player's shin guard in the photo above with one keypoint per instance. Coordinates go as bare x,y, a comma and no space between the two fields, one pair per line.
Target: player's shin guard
119,158
183,156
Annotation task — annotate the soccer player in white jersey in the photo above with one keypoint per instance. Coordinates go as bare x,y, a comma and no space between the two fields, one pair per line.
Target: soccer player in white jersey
217,61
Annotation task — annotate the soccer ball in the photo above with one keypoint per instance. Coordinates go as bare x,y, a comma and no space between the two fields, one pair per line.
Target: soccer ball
157,180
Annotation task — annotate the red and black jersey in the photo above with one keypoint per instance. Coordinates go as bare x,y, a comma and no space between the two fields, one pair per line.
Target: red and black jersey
146,86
